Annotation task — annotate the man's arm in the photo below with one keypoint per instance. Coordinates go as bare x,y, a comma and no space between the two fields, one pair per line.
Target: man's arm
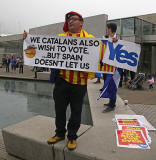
25,35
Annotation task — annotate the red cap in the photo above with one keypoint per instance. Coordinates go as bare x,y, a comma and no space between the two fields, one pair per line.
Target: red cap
67,16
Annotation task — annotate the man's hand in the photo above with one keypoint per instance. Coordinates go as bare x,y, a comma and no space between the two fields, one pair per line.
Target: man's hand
114,40
25,35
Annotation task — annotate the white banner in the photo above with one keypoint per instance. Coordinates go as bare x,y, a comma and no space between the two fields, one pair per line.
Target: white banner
74,53
122,54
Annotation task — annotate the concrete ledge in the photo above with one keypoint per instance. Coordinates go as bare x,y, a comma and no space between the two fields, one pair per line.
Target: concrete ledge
101,137
99,142
43,75
3,154
27,139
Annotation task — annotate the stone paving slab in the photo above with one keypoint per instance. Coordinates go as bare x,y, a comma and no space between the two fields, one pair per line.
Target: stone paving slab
28,139
149,111
144,96
104,147
99,141
24,139
43,75
3,154
28,74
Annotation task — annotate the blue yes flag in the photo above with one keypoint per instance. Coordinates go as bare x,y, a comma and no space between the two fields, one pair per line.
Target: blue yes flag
111,84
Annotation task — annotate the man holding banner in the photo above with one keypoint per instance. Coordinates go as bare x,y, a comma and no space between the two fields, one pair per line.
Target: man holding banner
71,80
109,89
122,55
70,88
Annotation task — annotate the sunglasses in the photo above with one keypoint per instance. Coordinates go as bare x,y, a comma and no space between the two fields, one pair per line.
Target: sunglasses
73,19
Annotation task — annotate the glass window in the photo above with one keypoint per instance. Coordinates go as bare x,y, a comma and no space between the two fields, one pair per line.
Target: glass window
154,29
146,58
138,27
147,28
128,26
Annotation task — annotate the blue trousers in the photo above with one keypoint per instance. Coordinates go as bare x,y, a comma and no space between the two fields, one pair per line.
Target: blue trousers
112,102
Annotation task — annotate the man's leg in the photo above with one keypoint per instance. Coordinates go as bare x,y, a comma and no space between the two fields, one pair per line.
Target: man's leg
112,102
22,69
76,101
110,106
121,79
61,100
150,86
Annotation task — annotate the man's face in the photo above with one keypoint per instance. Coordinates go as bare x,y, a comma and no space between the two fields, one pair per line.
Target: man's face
108,31
74,24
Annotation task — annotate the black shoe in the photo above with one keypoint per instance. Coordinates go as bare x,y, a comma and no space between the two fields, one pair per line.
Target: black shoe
100,90
108,109
108,105
97,82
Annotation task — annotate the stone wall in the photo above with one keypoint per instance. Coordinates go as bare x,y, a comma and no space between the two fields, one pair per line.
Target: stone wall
95,25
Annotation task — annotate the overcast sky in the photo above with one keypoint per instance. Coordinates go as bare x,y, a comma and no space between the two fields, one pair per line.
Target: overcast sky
17,15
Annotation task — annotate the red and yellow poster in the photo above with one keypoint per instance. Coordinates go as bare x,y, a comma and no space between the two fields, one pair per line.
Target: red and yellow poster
135,128
131,139
131,122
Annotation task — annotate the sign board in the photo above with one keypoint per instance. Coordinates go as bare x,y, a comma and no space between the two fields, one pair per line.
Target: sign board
81,54
122,54
131,139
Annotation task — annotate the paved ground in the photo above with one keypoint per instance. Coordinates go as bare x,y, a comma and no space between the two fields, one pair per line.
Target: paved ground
3,154
144,96
142,102
26,74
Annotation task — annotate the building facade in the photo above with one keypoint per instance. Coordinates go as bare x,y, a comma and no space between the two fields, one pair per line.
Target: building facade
143,32
139,29
13,44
